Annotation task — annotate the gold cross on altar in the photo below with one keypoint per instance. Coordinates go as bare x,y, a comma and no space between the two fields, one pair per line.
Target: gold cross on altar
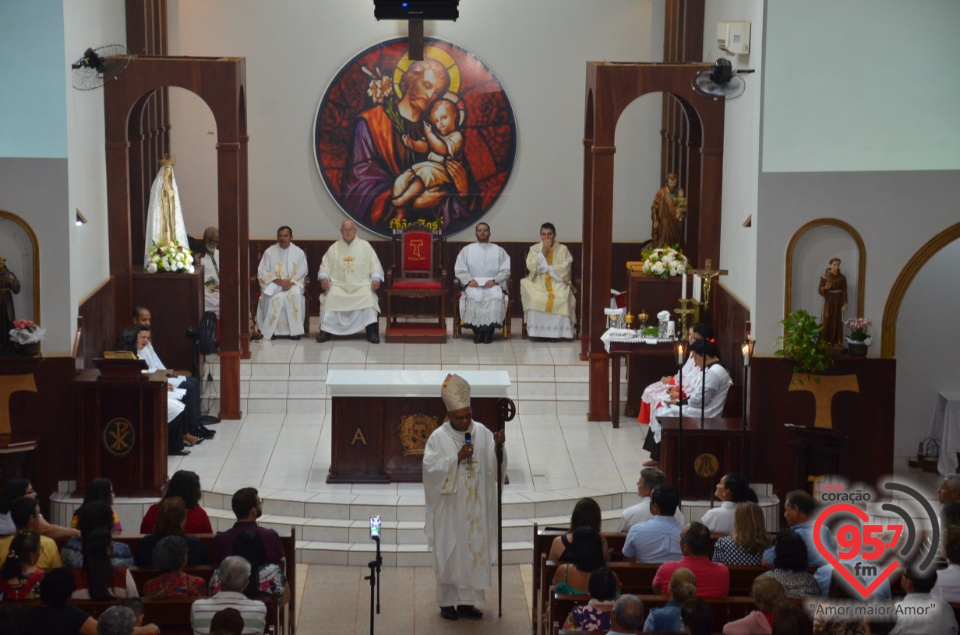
708,273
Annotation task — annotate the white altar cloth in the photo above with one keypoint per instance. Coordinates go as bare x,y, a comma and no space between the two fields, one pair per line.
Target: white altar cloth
412,383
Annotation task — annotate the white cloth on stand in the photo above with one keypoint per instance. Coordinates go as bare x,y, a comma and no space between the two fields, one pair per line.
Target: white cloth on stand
211,277
945,428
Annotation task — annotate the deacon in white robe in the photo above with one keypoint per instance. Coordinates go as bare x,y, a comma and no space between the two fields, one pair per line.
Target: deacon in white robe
548,302
483,270
460,487
350,275
707,399
164,214
211,270
282,272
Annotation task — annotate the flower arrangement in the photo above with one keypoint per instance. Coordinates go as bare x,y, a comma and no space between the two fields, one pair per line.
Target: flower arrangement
26,332
859,330
170,258
664,262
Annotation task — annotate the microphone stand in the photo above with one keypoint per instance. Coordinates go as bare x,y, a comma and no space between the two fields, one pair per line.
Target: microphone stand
374,578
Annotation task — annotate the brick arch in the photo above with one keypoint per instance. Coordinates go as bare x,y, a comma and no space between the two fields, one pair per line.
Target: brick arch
219,82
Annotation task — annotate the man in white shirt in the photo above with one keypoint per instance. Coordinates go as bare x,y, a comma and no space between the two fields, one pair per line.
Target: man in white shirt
919,611
483,270
234,578
650,478
658,539
350,275
282,274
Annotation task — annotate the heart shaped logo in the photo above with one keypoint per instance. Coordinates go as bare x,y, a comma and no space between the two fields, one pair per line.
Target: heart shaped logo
851,539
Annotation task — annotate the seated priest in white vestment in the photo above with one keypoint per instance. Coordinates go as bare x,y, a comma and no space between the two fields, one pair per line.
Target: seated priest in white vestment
350,275
548,302
211,270
460,492
282,273
483,270
706,400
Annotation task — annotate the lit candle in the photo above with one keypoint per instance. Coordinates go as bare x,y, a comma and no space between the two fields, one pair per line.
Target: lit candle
683,287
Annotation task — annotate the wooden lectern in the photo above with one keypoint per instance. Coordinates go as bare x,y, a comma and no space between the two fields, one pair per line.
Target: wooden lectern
709,451
122,427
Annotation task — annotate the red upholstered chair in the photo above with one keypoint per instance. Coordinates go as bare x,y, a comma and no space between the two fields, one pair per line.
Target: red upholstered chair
417,274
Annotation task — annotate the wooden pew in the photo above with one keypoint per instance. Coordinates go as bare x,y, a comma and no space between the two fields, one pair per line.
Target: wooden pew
282,617
724,609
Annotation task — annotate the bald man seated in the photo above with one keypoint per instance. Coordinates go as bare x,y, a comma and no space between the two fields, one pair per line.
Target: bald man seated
350,275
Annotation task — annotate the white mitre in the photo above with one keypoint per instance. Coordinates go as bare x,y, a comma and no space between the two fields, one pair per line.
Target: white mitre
455,393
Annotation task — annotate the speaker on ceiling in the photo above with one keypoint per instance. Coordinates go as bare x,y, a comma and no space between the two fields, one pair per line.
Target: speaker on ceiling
416,9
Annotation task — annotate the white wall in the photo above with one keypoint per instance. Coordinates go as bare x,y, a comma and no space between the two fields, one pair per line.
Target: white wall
741,149
862,85
538,49
926,348
91,23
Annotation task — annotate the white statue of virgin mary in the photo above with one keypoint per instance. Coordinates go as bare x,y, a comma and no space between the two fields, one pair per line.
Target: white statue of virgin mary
164,214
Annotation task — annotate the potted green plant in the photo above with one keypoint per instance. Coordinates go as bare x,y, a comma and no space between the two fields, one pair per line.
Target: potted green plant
801,343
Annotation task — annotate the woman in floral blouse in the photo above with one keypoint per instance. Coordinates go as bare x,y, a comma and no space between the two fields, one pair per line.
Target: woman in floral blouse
266,579
170,557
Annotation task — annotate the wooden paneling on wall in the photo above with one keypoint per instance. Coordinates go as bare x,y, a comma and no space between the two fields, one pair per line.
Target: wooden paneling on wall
97,323
865,418
47,414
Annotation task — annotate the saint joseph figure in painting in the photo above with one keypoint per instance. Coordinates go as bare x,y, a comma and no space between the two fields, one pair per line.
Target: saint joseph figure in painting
378,155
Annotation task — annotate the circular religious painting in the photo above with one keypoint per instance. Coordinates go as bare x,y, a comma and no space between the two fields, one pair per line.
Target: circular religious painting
399,141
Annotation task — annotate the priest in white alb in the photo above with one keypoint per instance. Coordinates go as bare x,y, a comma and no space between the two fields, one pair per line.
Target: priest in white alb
350,275
483,270
282,273
460,488
548,303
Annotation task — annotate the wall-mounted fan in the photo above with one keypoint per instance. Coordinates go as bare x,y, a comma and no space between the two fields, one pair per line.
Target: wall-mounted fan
100,65
720,82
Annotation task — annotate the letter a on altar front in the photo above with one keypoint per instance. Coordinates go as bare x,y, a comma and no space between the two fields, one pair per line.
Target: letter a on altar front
358,436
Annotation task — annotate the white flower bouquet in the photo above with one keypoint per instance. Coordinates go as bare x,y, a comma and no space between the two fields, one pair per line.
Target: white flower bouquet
170,258
664,262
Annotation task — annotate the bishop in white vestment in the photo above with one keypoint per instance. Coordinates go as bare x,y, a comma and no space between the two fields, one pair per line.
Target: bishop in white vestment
548,302
460,486
483,270
282,272
350,275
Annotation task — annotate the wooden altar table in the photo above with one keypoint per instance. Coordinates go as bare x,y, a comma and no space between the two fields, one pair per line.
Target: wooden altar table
382,419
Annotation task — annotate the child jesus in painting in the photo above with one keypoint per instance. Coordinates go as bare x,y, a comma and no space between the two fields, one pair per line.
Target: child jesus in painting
444,142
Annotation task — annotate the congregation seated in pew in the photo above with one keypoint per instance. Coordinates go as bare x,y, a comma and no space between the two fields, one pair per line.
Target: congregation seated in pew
586,513
749,538
658,539
170,557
